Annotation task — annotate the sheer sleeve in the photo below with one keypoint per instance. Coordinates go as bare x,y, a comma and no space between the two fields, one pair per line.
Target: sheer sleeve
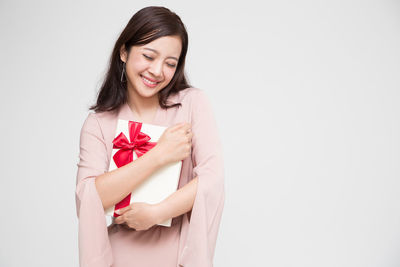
209,202
94,245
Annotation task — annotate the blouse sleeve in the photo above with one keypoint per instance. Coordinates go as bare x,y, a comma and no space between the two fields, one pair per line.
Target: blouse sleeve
94,245
209,202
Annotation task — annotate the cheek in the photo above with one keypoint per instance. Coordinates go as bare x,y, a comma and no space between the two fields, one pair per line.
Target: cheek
137,66
169,74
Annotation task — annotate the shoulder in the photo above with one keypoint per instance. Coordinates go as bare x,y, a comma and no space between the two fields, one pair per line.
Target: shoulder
197,103
90,122
190,95
98,122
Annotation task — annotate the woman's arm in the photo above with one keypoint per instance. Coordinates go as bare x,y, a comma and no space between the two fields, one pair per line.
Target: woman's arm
178,203
113,186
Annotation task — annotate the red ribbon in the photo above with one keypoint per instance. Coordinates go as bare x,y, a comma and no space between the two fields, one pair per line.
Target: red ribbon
139,143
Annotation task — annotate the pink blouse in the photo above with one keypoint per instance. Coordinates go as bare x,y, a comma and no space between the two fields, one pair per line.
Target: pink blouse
198,234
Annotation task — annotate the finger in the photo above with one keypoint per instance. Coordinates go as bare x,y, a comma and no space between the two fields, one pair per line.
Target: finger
187,127
188,138
184,128
177,126
188,133
119,220
123,210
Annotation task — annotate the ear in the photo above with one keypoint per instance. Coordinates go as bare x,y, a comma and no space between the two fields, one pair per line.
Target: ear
123,53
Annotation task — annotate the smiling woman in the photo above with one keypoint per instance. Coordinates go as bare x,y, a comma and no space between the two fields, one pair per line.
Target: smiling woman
146,82
150,68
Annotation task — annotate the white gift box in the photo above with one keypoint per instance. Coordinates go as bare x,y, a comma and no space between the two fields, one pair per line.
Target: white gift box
162,183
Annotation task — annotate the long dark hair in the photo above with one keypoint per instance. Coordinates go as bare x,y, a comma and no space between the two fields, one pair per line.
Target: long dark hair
145,26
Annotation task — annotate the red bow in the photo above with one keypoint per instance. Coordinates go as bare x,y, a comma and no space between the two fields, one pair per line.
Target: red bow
139,143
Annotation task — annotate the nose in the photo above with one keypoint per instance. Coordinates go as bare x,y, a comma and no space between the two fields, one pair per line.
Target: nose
156,68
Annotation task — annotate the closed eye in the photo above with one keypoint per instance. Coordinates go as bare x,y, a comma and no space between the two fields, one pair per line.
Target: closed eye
147,57
150,58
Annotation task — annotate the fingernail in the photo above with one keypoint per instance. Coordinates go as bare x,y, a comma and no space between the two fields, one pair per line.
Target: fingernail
117,212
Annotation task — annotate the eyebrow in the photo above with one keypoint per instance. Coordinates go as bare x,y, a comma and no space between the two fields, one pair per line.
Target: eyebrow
155,51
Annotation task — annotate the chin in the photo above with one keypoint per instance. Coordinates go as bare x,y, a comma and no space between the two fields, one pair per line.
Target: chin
147,92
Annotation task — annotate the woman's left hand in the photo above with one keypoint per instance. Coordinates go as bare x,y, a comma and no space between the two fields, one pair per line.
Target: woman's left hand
139,215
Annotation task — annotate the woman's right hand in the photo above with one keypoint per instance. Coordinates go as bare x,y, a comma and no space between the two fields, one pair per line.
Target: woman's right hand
175,143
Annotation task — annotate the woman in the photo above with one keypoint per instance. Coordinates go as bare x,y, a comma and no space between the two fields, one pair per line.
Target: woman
146,82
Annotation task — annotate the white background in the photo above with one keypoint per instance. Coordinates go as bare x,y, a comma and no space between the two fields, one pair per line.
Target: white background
306,95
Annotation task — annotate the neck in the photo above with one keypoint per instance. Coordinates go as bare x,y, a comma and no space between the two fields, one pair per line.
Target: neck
142,105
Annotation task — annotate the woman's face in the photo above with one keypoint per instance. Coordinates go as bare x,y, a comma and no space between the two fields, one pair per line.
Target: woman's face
150,67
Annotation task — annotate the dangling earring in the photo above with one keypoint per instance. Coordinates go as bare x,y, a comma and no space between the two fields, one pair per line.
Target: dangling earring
123,71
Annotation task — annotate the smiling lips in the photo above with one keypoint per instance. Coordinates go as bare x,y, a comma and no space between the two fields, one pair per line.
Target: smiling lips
149,82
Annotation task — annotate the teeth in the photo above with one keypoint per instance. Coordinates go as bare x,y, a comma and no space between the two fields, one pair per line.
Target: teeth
149,81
